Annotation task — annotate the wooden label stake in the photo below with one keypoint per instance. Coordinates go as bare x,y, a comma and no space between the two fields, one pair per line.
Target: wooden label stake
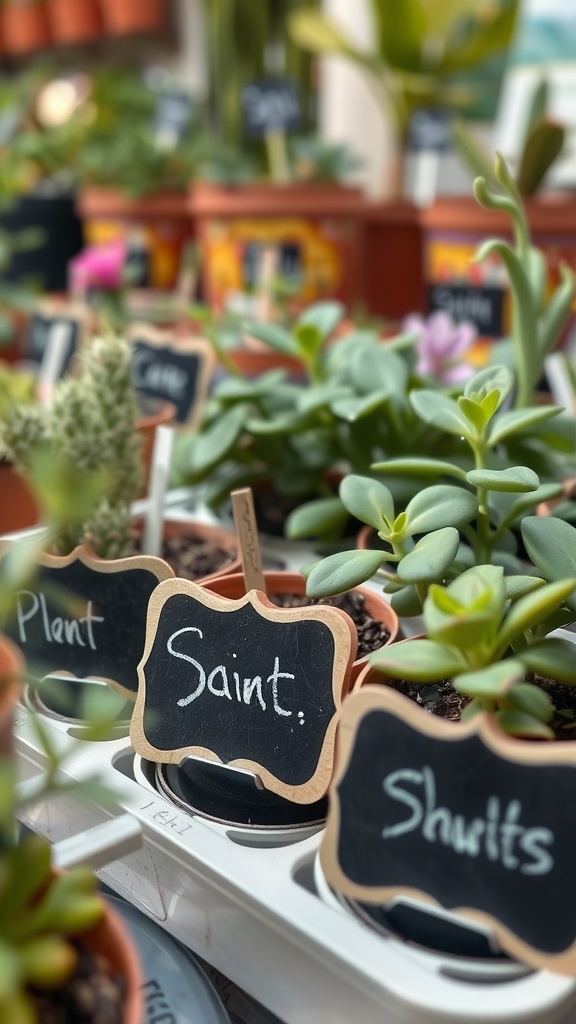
245,521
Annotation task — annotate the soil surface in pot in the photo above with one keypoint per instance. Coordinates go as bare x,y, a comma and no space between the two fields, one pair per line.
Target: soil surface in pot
93,995
193,557
440,699
372,634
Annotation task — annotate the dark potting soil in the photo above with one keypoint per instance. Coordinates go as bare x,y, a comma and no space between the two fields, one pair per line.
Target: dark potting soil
371,634
440,699
91,996
193,557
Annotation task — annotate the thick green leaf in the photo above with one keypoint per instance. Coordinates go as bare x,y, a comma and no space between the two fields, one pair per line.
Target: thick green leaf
420,661
551,545
533,700
355,408
557,312
542,147
430,557
274,335
474,413
532,609
485,40
324,316
552,658
405,602
472,152
514,508
309,341
401,32
518,479
517,586
313,398
378,369
215,442
438,506
466,631
518,420
420,467
343,571
443,412
491,682
368,500
238,389
518,723
315,518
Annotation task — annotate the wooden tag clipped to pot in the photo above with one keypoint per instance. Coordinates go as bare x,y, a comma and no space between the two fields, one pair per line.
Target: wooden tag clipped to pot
172,369
55,319
85,616
456,815
243,683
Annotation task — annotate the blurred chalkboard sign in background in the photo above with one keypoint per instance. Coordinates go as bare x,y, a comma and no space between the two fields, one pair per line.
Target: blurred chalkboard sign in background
68,320
172,369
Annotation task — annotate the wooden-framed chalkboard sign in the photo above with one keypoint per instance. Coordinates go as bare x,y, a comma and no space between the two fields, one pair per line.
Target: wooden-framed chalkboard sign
244,683
85,616
457,815
172,369
71,320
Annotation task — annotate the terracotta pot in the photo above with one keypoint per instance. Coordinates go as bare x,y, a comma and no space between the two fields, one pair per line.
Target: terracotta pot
314,226
162,218
12,671
124,17
24,26
453,227
253,362
17,506
74,21
392,267
147,423
224,538
233,587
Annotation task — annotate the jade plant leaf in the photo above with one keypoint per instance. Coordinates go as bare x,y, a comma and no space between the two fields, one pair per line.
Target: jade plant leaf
439,506
274,335
533,700
552,658
405,602
518,420
441,411
342,571
323,316
314,518
518,723
532,609
430,557
515,479
490,682
216,440
551,545
368,500
497,379
420,467
420,661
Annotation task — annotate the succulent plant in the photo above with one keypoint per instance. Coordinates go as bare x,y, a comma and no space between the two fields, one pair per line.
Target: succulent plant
486,634
91,423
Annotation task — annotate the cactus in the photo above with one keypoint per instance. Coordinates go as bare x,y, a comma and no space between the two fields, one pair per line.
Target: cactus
90,424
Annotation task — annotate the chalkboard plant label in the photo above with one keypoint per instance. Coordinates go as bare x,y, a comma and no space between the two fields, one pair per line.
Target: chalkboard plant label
70,320
243,683
456,815
172,369
270,105
86,616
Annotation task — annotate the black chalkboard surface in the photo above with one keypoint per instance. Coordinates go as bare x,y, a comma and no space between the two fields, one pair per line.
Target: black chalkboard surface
459,815
483,306
429,130
51,316
171,369
270,105
86,616
244,683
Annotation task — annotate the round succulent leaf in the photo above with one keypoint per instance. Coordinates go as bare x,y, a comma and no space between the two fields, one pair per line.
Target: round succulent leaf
477,589
368,500
215,442
378,369
315,518
517,586
474,413
441,411
420,661
491,682
518,723
406,602
309,340
354,408
516,479
467,631
532,609
532,699
342,571
239,389
420,467
551,545
438,506
47,961
323,316
472,710
517,421
273,335
553,658
430,557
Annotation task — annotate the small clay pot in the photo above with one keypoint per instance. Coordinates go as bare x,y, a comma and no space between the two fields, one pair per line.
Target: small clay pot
233,587
125,17
74,21
24,26
223,538
163,415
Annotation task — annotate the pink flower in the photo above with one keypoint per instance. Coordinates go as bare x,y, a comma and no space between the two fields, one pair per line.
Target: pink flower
442,346
98,266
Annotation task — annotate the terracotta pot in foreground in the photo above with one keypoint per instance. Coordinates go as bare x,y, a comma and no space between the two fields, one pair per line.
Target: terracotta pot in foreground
233,587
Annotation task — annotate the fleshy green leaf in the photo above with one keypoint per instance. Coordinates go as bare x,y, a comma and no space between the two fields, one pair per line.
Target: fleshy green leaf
343,571
551,545
518,723
216,440
420,661
368,500
443,412
274,335
516,421
552,658
491,682
406,602
430,557
517,586
493,378
533,700
420,467
324,316
315,518
532,609
518,479
438,506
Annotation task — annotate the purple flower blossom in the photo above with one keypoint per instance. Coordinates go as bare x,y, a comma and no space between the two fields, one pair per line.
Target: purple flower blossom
442,346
